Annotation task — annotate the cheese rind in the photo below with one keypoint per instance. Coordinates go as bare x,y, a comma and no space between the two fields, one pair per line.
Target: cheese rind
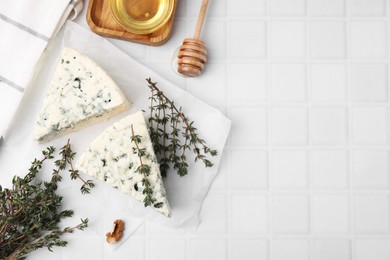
110,158
80,94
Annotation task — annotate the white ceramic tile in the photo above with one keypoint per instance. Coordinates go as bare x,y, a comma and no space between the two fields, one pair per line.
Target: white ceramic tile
249,127
326,7
166,249
287,39
330,214
249,249
367,7
329,169
290,249
161,231
249,170
213,215
368,39
290,214
325,47
287,7
288,82
331,249
243,87
370,125
208,249
371,169
215,8
368,249
369,82
251,7
166,51
216,46
289,169
329,125
289,126
372,213
248,39
328,82
210,90
249,214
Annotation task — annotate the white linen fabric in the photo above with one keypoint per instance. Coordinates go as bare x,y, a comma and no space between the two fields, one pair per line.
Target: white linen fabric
26,27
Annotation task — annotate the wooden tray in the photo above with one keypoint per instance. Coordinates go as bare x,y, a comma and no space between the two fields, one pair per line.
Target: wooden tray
100,21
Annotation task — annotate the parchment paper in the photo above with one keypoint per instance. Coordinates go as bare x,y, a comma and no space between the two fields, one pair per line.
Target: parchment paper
105,204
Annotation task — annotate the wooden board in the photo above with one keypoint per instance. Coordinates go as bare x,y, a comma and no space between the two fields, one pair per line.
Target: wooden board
100,21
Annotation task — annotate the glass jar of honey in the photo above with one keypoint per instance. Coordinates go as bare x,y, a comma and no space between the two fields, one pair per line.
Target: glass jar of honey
142,16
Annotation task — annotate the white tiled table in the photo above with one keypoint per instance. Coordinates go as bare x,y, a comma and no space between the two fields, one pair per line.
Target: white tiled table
305,174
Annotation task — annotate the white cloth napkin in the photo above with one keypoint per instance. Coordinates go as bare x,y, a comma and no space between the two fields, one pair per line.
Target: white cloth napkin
26,27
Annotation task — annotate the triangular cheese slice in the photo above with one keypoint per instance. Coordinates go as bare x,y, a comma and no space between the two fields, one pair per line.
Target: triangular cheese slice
110,158
80,94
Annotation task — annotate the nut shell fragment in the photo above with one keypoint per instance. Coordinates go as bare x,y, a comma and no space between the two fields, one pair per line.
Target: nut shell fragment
117,232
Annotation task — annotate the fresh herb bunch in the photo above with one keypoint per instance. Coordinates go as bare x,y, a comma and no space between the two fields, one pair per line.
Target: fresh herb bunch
144,169
173,134
30,211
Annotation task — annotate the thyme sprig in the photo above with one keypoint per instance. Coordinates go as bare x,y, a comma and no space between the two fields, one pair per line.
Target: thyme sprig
169,145
144,169
67,158
30,211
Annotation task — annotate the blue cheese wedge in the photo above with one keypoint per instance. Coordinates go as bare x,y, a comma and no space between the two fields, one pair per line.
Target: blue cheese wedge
111,159
80,94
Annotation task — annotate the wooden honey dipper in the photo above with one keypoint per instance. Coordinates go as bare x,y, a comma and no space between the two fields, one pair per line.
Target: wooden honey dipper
192,53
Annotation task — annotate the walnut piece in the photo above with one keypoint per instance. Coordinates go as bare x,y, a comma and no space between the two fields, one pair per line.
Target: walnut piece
117,232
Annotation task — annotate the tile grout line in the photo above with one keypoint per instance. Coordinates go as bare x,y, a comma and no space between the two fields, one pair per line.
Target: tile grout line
387,39
309,185
188,236
266,236
309,135
302,17
293,60
387,23
228,92
350,157
263,104
268,92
